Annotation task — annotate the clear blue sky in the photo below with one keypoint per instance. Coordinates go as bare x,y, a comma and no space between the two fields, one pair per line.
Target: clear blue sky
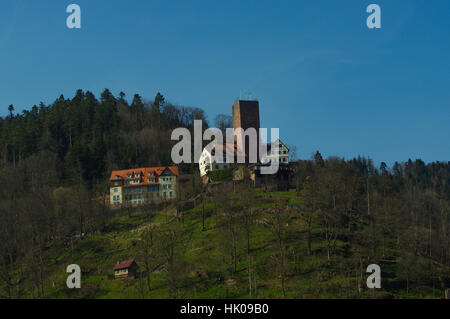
319,73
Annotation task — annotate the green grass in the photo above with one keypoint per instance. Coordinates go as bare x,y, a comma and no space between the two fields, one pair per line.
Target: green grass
205,260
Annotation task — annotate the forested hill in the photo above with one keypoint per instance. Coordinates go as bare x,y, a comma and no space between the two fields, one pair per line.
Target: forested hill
93,136
344,214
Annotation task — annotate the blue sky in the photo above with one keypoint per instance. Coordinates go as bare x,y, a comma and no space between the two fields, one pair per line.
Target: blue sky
321,76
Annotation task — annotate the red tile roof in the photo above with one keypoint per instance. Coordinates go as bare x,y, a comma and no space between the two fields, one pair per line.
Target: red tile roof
144,174
124,265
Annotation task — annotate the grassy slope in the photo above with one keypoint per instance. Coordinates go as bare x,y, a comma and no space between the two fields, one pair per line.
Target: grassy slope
205,260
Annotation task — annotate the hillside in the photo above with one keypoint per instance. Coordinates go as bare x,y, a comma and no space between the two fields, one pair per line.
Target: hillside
260,243
237,241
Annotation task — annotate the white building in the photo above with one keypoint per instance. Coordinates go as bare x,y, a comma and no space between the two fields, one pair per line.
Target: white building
208,162
279,150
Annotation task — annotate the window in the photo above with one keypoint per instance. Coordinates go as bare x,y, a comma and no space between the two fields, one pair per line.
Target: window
116,190
171,194
118,197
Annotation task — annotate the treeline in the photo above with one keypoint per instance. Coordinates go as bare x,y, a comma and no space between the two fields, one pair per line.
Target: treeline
55,162
401,215
91,136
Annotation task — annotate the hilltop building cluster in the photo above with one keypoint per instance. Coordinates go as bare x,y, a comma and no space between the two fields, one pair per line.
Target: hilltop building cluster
137,186
245,116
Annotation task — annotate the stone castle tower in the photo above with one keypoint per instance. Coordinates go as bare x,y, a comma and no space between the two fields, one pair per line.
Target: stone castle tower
246,115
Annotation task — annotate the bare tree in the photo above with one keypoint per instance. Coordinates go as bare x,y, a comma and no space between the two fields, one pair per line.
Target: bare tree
278,223
147,248
222,122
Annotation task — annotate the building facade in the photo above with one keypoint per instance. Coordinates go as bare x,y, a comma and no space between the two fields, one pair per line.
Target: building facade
143,185
280,150
208,163
126,269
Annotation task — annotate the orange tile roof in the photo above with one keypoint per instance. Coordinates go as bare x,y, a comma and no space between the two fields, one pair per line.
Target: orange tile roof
144,174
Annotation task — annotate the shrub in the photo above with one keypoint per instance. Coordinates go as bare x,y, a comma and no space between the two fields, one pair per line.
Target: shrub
221,175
